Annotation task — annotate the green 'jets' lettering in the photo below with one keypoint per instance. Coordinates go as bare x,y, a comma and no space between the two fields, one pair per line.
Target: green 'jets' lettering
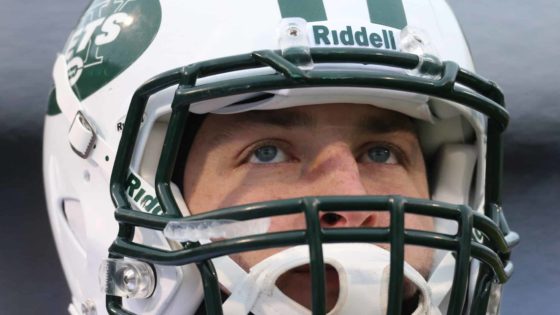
109,37
325,36
145,202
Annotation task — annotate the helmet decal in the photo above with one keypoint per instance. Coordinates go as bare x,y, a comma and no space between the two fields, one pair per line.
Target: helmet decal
372,36
53,108
388,13
121,29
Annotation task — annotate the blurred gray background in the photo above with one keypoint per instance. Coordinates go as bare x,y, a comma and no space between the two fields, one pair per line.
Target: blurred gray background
515,43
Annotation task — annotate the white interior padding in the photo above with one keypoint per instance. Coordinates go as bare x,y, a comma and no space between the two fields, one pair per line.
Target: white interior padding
178,195
452,181
152,152
150,160
450,130
411,104
453,172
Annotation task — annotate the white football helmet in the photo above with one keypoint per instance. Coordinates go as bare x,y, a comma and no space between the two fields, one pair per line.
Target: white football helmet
132,85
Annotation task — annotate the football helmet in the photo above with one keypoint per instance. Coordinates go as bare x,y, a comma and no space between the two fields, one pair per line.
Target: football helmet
136,78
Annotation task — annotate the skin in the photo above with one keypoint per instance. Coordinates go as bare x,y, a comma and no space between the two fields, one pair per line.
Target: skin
320,150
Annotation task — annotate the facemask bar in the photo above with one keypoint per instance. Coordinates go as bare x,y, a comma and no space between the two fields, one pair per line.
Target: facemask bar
462,242
472,91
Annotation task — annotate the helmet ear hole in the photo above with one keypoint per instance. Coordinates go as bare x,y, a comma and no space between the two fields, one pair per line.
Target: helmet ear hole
74,215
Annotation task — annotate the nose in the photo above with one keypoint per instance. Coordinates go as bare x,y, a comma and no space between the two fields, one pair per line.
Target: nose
340,219
334,171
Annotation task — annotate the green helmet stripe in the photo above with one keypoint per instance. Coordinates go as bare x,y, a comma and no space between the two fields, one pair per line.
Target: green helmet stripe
387,12
310,10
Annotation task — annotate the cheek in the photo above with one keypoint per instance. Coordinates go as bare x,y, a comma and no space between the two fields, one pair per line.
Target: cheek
395,182
287,223
214,191
257,184
277,224
206,193
419,222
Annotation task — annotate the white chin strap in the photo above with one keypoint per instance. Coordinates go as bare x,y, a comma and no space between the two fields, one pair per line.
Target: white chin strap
363,272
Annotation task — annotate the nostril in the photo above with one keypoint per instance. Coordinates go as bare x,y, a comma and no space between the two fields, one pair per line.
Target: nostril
331,218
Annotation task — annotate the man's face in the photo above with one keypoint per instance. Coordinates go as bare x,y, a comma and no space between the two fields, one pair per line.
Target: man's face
334,149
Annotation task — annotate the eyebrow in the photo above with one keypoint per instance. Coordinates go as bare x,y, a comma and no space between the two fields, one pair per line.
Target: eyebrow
290,119
286,119
375,124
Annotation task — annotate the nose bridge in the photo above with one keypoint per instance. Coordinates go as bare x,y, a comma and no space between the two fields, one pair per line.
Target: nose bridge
334,171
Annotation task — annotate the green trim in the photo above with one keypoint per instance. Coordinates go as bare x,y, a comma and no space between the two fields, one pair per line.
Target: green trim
396,274
316,260
387,12
53,108
310,10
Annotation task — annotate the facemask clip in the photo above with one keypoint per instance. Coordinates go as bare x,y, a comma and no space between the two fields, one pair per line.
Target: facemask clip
415,41
294,42
127,278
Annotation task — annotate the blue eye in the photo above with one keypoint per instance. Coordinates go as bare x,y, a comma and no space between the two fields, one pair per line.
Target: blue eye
381,154
268,154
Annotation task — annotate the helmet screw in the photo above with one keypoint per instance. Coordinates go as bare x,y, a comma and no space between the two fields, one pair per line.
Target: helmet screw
130,279
88,307
293,31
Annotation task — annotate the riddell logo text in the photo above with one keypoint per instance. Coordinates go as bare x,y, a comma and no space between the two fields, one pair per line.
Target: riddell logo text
146,202
348,37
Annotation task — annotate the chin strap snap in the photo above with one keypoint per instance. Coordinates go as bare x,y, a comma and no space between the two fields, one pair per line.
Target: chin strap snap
82,136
